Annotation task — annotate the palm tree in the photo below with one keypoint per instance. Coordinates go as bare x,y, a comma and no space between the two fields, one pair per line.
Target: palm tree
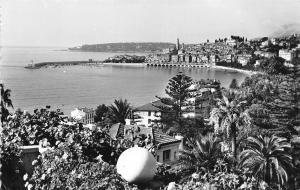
5,102
228,116
120,110
268,158
204,153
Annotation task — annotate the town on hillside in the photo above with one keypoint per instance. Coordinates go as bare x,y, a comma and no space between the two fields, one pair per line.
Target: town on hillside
235,51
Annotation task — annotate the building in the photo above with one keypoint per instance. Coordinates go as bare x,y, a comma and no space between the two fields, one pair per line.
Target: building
264,54
83,115
194,58
181,58
231,42
274,41
178,44
174,58
188,58
243,59
164,147
148,114
286,54
265,43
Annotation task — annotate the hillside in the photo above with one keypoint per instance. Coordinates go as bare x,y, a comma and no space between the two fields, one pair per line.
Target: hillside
124,47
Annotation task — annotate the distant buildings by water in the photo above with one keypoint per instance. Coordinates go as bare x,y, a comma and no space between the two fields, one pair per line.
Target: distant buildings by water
234,50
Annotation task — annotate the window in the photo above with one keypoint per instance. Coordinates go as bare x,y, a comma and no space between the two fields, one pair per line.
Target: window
157,158
149,113
175,155
166,155
149,121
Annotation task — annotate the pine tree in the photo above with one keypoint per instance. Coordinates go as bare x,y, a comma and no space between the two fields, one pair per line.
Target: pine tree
179,91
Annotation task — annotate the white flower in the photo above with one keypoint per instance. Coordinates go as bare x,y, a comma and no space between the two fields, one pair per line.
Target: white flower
25,177
73,172
195,176
49,170
43,177
29,186
79,175
34,162
171,186
65,156
26,184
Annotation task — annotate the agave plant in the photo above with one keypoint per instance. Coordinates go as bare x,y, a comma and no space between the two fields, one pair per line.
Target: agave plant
268,158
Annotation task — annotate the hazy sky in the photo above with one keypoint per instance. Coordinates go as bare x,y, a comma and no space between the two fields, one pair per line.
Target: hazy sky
76,22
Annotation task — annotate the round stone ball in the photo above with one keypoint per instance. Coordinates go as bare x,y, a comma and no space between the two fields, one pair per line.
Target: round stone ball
136,165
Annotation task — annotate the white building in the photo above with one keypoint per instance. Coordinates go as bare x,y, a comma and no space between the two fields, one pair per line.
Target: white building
148,114
243,59
83,115
231,42
288,55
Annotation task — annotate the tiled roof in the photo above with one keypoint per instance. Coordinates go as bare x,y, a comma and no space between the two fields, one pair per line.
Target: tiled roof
162,138
125,131
150,106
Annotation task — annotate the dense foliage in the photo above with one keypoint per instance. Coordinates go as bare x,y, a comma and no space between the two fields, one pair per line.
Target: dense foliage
252,140
5,102
67,145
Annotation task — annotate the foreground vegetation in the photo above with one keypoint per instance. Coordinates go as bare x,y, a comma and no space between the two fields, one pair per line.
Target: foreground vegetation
251,140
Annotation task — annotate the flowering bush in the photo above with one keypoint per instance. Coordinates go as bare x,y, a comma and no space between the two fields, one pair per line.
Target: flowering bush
65,147
61,170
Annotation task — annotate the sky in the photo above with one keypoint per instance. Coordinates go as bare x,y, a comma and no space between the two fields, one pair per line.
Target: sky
68,23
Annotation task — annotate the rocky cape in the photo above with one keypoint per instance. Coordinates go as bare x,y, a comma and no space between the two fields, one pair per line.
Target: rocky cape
125,59
124,47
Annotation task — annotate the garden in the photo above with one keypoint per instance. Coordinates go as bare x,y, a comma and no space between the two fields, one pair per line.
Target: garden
251,140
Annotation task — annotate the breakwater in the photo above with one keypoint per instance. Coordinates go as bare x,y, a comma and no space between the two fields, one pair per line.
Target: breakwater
60,63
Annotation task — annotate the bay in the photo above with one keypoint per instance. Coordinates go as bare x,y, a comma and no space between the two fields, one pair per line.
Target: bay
85,86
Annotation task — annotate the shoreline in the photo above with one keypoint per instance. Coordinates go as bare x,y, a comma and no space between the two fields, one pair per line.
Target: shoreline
99,63
124,64
235,69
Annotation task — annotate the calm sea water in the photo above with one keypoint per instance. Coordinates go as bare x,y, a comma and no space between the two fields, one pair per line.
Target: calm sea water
72,86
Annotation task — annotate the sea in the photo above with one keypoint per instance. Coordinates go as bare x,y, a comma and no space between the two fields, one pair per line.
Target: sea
69,87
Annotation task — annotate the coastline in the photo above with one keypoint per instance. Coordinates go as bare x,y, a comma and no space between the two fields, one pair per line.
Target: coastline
235,69
100,63
125,64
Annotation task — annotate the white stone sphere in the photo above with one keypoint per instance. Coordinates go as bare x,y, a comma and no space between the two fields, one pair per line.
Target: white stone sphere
136,165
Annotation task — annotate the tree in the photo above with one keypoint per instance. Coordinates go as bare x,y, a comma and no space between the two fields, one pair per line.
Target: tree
274,65
101,112
5,102
268,158
234,84
119,111
228,116
204,152
179,91
274,100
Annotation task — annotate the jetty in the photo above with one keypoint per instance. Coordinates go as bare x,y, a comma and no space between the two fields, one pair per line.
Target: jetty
60,63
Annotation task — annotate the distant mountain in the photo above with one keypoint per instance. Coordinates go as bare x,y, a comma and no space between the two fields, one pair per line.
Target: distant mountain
287,30
124,47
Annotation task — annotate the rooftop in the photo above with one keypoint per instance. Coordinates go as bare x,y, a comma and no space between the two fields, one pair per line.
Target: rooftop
153,106
119,130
